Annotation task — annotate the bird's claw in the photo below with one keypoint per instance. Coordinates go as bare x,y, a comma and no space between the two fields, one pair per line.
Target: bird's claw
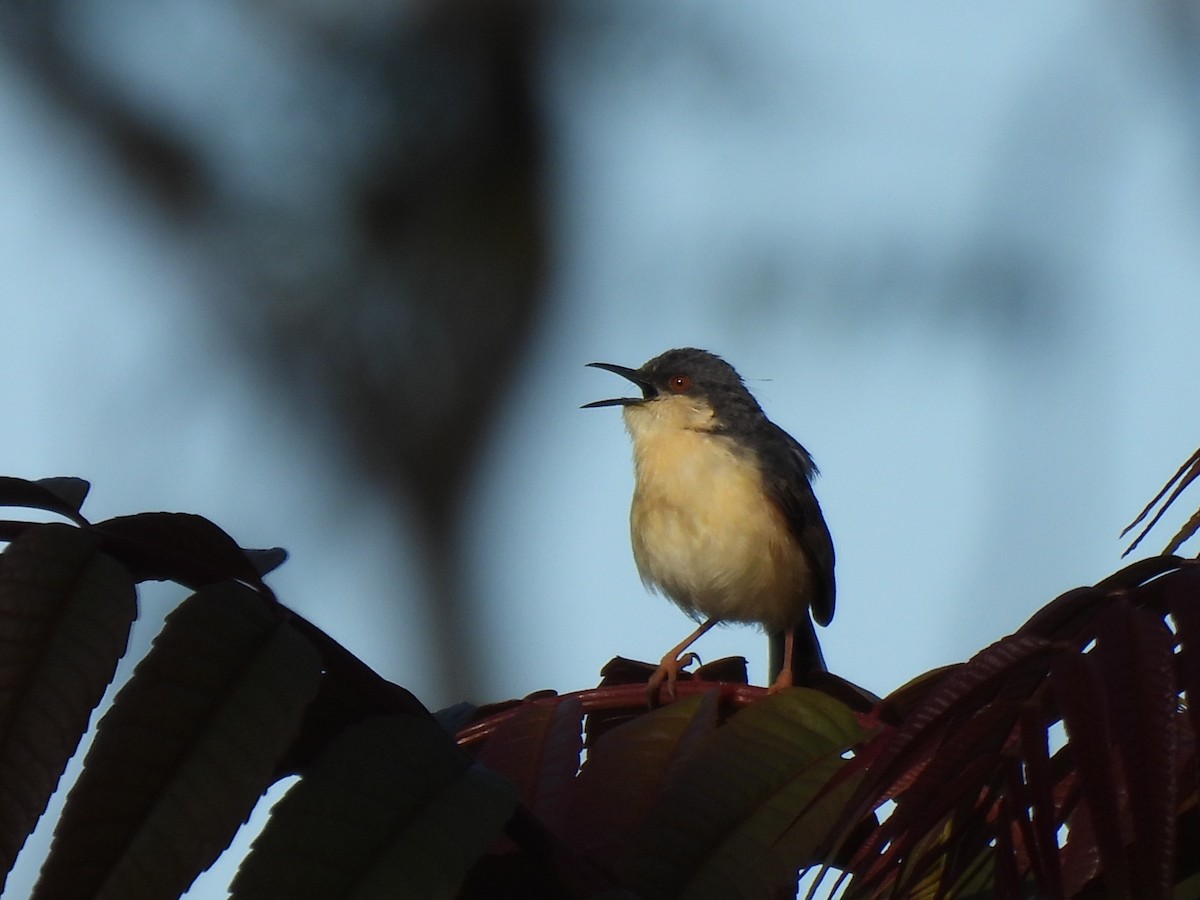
668,670
783,682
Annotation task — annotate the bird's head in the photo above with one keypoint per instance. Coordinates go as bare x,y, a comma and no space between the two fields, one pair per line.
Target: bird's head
684,388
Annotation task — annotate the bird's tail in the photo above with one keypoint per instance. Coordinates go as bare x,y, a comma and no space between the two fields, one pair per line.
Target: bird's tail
806,653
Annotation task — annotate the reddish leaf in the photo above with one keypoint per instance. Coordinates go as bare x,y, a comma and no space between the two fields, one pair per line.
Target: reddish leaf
951,833
538,750
1007,875
1039,782
1186,475
955,697
968,759
1136,656
63,496
1079,692
729,671
1137,573
1183,603
1186,530
1081,862
1065,614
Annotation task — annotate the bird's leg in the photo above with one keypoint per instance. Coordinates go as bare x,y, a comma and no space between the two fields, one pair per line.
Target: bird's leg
784,678
673,662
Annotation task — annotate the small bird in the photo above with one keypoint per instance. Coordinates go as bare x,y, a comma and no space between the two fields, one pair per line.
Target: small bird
724,520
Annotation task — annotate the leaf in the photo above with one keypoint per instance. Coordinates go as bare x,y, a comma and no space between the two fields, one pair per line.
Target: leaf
350,692
185,752
1079,692
893,758
1067,617
180,547
946,789
731,823
538,750
391,808
63,496
1035,752
1185,532
1186,475
1137,660
266,561
65,615
1183,603
625,772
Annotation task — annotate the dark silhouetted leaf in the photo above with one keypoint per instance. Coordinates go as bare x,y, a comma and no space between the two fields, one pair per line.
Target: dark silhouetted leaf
538,751
65,615
63,496
391,808
187,749
350,692
266,561
732,820
179,547
456,717
72,491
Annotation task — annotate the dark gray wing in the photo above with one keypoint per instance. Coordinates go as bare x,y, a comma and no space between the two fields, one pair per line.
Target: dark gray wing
787,473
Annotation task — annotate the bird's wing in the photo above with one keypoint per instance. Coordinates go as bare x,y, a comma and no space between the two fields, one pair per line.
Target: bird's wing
788,470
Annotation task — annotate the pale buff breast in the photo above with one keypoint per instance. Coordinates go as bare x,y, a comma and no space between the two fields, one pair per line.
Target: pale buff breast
703,531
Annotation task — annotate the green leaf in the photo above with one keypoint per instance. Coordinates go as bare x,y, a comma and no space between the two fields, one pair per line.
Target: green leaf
538,750
625,772
187,749
391,809
733,821
65,615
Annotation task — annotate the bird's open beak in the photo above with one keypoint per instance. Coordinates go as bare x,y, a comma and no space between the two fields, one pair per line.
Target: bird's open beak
625,372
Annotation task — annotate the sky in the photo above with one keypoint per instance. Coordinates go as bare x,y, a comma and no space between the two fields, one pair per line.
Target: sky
833,199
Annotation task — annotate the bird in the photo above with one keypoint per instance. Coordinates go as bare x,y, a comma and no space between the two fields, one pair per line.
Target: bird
724,521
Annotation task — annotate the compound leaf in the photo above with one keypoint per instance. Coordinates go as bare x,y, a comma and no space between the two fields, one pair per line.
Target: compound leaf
189,746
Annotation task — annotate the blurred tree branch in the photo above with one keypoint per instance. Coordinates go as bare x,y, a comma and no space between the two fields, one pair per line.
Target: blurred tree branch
382,226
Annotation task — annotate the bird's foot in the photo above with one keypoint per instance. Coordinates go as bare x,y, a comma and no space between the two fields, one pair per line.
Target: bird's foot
782,682
668,670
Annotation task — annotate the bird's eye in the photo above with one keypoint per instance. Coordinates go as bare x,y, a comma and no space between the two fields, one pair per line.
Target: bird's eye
678,384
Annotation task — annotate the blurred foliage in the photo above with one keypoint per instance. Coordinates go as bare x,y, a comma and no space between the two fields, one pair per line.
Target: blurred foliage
1058,762
367,185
